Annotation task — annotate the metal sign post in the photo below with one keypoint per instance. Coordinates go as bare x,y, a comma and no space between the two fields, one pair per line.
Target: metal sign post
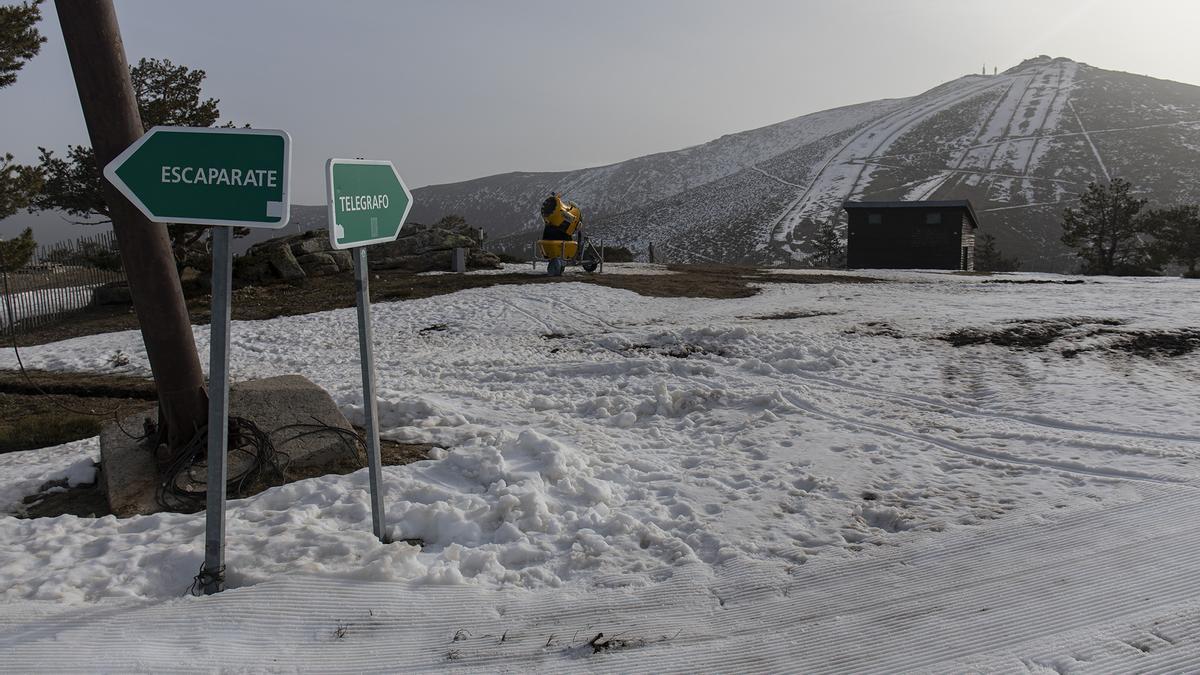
366,355
213,573
368,203
220,177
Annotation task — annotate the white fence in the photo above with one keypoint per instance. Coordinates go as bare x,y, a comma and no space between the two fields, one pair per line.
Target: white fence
60,281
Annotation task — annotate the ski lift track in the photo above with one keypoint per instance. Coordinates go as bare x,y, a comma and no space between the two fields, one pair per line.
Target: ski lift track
899,121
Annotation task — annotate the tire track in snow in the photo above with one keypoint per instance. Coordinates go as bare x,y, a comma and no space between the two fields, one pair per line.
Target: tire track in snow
533,318
987,455
579,312
839,386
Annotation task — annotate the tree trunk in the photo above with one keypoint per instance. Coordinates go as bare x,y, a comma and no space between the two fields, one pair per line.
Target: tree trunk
97,55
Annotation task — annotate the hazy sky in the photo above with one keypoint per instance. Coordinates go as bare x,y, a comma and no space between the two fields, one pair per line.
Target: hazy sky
451,89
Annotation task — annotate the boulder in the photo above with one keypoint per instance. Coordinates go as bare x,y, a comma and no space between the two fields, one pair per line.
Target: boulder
419,248
318,264
344,260
483,260
128,474
283,262
311,245
247,270
115,293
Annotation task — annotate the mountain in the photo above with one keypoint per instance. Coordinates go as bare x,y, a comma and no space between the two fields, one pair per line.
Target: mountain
1021,145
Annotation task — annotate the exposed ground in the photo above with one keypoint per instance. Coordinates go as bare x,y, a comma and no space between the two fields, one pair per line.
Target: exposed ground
1041,333
42,408
1029,334
337,291
56,498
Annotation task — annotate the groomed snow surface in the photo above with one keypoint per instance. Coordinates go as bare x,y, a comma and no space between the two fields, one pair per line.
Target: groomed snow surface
806,480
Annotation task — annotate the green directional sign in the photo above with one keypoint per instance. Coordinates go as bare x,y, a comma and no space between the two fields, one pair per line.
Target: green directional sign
368,202
207,176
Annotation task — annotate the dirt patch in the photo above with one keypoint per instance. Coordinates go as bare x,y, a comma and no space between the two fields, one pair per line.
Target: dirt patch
101,385
875,329
1064,282
686,349
337,291
1029,334
56,498
1148,344
73,406
783,316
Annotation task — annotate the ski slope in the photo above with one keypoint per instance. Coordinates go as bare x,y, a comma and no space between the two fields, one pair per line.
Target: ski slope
807,480
1021,145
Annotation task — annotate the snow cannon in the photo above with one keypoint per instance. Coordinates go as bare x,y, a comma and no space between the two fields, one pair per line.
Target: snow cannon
562,241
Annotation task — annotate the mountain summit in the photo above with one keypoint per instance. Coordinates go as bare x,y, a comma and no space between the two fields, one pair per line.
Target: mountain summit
1021,145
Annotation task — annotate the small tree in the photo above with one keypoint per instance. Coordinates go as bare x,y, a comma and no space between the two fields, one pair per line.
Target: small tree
1177,235
18,184
828,250
1106,232
452,221
19,38
989,258
167,94
19,42
16,253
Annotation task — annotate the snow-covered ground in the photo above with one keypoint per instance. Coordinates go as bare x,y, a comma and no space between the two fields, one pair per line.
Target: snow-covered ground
709,484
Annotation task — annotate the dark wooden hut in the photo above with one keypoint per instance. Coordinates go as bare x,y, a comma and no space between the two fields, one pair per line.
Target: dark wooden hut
911,235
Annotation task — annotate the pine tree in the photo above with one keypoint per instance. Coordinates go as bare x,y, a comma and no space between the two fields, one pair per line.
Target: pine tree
1106,231
167,95
16,253
989,258
19,42
1177,236
828,250
19,38
18,185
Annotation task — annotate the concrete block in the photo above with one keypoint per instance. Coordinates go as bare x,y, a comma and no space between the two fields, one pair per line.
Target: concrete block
128,472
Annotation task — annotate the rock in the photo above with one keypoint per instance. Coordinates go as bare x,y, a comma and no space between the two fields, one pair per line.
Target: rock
425,262
194,282
247,270
283,262
128,474
483,260
311,245
344,260
116,293
318,264
420,248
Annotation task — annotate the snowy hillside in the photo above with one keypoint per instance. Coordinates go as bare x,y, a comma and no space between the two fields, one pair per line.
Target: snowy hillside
1020,144
811,479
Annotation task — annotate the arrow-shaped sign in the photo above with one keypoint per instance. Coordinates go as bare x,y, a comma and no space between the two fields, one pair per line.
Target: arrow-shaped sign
207,176
368,202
